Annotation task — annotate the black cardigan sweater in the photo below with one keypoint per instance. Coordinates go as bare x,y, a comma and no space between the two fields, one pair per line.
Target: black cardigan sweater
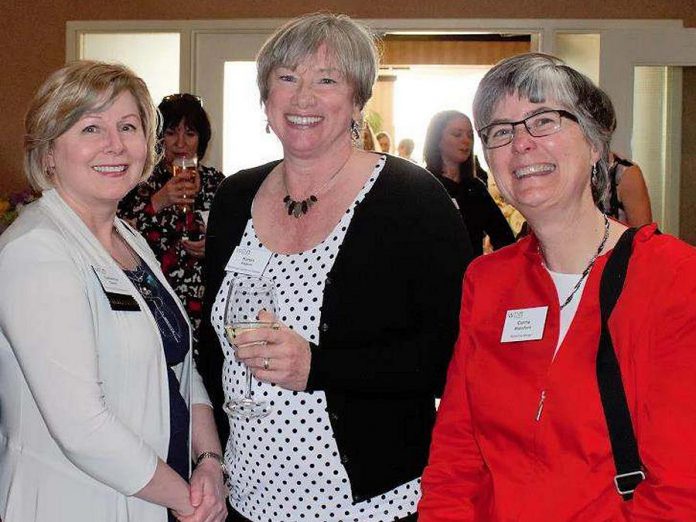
389,318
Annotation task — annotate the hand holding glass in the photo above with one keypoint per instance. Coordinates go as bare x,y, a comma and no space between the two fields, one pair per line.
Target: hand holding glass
247,296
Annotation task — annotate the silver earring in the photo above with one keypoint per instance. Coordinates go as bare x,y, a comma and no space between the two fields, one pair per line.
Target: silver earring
355,130
268,128
593,177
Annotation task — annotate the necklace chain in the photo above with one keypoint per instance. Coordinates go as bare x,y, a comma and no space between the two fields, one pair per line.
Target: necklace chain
589,265
296,208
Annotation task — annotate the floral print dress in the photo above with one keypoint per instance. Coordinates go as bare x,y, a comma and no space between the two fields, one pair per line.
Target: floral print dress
163,230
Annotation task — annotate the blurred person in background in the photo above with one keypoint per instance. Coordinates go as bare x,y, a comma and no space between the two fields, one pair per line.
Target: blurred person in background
385,141
449,156
171,211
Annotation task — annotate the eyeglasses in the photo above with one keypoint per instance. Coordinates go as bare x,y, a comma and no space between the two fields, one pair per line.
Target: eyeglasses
183,96
537,125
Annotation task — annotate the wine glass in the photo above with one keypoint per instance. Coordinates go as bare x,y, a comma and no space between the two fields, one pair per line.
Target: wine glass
186,168
248,295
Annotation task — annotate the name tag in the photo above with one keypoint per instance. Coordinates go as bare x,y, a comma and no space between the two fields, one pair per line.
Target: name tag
524,324
248,261
116,289
112,282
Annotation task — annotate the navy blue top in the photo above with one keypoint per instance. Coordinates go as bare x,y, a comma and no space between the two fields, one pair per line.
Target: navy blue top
175,338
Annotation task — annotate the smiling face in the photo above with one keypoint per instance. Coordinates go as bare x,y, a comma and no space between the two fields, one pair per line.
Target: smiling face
549,172
101,157
180,141
311,107
457,141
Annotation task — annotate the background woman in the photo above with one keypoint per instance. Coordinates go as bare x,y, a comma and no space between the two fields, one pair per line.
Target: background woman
449,155
96,380
521,431
366,253
155,205
629,201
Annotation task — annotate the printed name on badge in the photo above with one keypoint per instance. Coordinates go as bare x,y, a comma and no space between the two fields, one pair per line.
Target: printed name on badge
248,261
112,282
524,324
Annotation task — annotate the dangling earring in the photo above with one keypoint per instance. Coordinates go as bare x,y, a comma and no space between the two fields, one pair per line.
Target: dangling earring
355,130
593,177
268,128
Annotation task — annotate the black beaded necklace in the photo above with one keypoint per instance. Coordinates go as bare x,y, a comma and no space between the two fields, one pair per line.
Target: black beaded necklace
589,265
297,209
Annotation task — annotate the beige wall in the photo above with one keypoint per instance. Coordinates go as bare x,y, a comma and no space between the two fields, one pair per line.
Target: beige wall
34,34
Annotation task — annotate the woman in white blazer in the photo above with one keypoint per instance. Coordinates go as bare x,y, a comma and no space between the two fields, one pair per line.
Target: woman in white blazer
101,408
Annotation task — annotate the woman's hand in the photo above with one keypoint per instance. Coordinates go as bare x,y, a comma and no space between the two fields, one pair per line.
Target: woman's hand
275,355
178,190
207,494
194,248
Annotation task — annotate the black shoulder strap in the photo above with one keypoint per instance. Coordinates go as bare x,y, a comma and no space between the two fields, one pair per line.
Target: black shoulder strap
629,468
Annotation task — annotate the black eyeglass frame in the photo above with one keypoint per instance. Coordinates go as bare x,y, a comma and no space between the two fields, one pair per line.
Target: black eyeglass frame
561,112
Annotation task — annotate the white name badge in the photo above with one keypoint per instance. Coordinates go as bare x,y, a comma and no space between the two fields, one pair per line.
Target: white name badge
112,282
248,261
524,324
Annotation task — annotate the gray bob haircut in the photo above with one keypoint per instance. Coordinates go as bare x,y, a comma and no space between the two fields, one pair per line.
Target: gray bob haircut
352,46
540,78
68,94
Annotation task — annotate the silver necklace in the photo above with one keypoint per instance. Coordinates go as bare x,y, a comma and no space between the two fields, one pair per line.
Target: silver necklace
589,265
296,208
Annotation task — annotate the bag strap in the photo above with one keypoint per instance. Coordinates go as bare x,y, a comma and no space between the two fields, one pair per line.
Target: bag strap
629,468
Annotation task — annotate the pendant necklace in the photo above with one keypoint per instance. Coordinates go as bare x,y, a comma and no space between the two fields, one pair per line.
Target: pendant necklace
589,265
297,209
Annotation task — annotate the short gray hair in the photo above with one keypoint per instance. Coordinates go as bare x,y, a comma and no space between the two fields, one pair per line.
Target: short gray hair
66,95
351,44
540,77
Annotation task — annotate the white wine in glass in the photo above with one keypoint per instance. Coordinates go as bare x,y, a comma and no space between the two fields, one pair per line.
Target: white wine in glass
247,297
186,168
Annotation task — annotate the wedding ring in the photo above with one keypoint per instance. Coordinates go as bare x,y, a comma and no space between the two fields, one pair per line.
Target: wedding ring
275,326
265,363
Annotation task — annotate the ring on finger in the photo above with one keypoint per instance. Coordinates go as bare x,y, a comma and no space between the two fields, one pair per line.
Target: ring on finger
265,363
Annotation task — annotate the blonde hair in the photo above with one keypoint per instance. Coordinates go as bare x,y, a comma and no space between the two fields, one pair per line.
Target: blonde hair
66,95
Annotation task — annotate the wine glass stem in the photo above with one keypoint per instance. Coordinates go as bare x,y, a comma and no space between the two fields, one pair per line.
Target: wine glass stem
247,395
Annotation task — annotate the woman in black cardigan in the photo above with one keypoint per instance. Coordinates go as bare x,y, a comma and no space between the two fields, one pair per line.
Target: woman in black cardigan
449,155
366,252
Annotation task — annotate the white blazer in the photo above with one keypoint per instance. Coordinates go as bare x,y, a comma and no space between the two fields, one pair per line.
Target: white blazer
84,399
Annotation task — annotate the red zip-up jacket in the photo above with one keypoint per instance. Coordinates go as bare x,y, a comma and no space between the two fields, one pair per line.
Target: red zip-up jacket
501,453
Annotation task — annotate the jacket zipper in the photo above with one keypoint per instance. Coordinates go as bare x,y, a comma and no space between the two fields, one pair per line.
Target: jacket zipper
540,409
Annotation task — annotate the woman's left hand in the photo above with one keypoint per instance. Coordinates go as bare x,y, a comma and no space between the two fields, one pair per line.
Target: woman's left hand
275,355
207,494
194,248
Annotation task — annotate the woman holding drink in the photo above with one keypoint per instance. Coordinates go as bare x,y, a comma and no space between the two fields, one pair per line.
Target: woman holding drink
364,254
102,409
170,208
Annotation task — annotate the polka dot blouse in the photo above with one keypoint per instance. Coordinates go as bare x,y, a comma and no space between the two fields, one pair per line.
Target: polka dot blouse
286,466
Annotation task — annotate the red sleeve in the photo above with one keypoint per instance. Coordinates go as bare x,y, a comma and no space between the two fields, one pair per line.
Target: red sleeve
456,471
666,428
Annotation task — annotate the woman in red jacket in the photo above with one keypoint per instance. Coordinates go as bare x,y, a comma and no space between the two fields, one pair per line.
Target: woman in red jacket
521,434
